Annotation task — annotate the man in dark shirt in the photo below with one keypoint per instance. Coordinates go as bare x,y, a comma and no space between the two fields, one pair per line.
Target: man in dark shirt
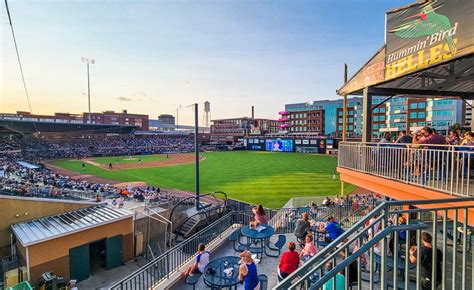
426,136
426,261
404,138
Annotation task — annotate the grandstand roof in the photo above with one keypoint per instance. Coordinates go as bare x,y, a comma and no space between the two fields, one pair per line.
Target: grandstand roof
8,126
47,228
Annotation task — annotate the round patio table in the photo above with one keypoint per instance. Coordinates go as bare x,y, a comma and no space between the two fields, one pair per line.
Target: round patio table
219,279
257,235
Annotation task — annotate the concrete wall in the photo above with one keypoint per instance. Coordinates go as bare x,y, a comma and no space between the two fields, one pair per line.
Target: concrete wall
53,255
28,209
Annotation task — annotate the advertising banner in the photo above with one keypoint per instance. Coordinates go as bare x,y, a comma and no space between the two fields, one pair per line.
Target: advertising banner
428,33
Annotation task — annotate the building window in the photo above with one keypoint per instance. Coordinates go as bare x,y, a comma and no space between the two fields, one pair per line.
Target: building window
376,126
382,110
382,118
351,120
339,128
413,105
421,115
413,115
376,110
376,118
421,105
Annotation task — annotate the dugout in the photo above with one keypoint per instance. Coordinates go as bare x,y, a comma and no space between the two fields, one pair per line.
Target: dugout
75,244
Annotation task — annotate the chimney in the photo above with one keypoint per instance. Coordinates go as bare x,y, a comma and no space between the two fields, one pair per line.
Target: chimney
253,113
124,111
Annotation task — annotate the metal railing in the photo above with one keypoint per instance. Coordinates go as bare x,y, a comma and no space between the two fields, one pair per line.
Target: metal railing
380,252
169,262
283,221
443,168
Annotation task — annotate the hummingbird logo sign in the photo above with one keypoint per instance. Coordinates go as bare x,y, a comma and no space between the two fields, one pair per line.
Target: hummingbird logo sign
427,22
419,37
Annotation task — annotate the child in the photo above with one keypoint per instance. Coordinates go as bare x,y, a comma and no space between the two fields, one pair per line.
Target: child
309,249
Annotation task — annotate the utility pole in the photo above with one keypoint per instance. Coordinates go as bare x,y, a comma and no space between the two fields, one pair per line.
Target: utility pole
196,151
88,61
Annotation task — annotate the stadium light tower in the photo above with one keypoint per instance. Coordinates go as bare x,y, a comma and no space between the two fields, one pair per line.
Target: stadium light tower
88,61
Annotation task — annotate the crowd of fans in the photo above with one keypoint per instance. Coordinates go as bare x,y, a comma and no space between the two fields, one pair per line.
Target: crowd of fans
427,135
31,148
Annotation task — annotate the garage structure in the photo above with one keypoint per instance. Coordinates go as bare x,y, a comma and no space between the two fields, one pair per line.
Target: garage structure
75,244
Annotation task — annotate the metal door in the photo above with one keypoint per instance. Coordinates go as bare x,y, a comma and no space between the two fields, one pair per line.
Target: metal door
114,252
79,263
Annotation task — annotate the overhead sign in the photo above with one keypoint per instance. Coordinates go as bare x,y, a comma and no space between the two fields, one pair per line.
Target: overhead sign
428,33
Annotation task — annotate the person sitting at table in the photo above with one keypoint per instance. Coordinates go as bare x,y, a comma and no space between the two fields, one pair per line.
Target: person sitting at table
202,259
259,215
302,227
309,249
289,262
333,228
248,271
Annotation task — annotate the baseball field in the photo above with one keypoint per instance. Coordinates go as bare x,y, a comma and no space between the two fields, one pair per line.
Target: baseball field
257,177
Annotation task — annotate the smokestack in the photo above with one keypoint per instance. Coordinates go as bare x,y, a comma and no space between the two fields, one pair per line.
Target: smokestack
253,111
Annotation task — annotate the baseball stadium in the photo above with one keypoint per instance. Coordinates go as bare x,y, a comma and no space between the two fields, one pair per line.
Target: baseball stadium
372,190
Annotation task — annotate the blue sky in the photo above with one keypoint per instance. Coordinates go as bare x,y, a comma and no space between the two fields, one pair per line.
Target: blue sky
152,56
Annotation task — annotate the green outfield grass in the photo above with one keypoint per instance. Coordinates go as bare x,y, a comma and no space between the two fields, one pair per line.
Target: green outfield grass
127,160
257,177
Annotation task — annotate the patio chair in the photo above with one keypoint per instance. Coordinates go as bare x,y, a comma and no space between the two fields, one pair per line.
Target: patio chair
263,279
277,247
235,238
192,280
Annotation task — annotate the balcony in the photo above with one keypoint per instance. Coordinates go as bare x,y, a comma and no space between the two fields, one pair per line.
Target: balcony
409,171
283,125
283,119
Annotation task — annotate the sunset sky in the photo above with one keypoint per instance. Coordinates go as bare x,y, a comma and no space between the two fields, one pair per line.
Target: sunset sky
152,56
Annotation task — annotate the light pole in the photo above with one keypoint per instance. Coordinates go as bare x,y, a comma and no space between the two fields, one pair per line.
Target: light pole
88,61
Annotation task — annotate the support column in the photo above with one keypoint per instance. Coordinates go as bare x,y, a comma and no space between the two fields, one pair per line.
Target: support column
472,121
344,109
342,188
367,116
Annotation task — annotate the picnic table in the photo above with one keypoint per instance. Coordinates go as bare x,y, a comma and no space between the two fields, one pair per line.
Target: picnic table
262,235
214,275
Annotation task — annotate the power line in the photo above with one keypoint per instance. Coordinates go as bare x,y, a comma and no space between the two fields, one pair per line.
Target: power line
18,57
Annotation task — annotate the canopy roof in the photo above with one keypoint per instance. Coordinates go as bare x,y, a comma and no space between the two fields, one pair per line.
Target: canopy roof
51,227
429,50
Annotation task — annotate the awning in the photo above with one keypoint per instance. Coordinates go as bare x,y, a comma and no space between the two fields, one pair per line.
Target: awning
51,227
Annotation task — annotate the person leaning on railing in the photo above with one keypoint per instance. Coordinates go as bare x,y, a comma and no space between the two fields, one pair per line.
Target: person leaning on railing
468,139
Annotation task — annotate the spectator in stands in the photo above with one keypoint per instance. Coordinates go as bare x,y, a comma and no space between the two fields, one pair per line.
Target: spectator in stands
340,280
309,249
404,138
259,215
333,228
468,139
453,138
202,259
426,136
352,269
302,227
387,138
426,257
248,271
289,262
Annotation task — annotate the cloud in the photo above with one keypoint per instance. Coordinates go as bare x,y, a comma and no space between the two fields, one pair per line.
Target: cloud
124,99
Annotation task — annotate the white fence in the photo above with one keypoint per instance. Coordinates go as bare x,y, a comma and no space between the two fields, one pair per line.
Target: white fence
444,168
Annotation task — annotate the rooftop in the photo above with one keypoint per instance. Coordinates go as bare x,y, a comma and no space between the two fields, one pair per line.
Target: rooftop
47,228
